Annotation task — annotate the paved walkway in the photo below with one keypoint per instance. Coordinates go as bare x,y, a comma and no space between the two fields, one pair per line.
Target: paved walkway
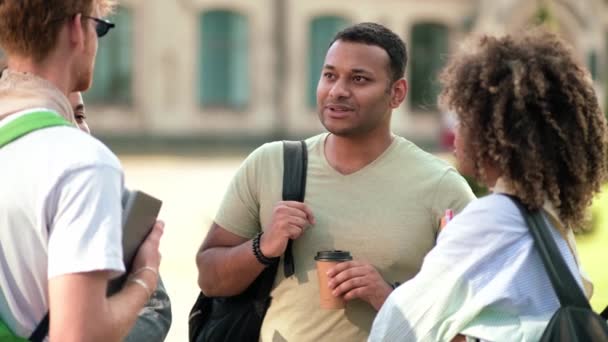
191,189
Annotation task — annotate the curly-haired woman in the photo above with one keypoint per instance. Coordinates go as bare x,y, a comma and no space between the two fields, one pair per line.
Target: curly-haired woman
529,126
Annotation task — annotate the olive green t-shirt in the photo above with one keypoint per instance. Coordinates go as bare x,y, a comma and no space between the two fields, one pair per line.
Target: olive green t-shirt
387,214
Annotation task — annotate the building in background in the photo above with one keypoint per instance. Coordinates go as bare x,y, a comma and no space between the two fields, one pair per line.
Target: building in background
240,70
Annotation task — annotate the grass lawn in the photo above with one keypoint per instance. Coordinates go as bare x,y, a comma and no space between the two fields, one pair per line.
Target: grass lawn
594,252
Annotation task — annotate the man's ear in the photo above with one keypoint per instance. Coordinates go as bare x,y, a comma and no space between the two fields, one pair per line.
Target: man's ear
76,30
398,92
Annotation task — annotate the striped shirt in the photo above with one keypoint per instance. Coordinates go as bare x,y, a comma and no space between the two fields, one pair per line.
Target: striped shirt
483,279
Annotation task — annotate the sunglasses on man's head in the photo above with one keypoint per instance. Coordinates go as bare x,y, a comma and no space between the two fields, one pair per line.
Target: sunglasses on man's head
101,26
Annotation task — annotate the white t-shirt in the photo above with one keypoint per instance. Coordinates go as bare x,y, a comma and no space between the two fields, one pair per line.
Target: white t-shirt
60,213
386,213
484,279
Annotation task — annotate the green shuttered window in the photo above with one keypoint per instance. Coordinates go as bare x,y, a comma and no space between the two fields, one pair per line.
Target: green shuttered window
113,76
428,54
321,31
224,60
593,66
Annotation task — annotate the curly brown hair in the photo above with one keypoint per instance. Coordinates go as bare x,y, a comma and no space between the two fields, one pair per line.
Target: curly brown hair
528,108
30,27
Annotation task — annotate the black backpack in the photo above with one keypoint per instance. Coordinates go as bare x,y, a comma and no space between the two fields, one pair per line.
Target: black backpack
575,320
240,317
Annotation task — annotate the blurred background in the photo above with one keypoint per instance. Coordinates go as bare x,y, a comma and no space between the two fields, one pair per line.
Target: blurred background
185,89
240,72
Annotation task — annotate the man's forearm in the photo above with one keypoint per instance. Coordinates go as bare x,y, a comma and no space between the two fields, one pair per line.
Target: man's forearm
227,271
81,311
125,306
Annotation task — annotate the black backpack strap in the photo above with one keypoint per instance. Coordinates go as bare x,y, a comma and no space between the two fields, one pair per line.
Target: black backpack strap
41,331
566,288
295,162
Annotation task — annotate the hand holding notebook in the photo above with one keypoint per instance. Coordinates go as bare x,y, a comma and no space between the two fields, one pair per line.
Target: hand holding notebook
140,211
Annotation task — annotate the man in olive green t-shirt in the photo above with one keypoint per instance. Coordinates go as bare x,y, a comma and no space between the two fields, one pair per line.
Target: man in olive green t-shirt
368,191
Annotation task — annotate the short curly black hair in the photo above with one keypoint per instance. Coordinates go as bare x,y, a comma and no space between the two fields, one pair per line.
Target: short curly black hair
378,35
528,108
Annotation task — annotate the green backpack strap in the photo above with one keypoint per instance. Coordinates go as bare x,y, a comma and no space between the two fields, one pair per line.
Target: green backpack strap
8,133
28,123
6,335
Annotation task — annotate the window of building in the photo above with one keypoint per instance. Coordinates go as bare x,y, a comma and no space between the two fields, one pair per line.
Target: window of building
224,64
428,54
321,31
2,60
113,76
606,75
593,66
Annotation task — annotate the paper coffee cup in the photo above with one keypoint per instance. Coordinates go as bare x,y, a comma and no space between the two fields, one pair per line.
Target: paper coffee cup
326,260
